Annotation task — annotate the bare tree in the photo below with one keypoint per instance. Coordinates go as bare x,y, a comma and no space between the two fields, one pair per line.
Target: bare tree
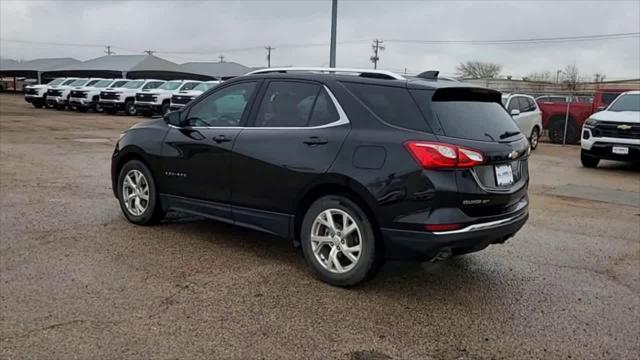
478,70
598,77
571,76
544,76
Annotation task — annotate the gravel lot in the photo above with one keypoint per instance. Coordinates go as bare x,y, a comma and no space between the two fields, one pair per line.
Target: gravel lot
78,281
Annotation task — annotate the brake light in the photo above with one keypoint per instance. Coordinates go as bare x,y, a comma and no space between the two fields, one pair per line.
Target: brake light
441,227
434,155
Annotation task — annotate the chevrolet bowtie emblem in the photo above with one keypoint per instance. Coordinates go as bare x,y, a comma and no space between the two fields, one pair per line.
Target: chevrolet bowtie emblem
624,127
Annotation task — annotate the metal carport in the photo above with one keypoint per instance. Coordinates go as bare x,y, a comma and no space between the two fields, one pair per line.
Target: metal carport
33,69
217,70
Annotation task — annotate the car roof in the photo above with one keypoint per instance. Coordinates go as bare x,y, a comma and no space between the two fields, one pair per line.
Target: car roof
633,92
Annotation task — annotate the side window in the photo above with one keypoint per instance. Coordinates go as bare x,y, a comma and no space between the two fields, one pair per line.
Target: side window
222,108
514,104
324,112
532,104
152,85
393,105
287,104
524,104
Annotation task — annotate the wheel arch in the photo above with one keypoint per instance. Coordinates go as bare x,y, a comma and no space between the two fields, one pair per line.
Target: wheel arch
125,155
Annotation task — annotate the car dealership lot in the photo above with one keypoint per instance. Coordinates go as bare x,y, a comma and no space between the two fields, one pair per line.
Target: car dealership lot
78,280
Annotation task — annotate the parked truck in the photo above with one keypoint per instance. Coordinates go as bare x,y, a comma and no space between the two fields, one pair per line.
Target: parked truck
556,110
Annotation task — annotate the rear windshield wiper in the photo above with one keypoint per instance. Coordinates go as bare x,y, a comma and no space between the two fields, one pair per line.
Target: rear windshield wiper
508,134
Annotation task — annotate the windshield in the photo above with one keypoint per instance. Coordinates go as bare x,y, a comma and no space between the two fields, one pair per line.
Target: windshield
189,86
92,82
118,84
170,85
204,86
133,84
102,83
629,102
79,82
468,114
57,81
68,82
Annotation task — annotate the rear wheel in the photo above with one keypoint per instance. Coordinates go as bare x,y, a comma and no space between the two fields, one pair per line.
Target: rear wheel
588,161
556,131
338,241
130,108
138,195
535,137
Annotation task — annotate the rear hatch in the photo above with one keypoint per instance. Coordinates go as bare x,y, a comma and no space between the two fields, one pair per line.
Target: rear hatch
474,118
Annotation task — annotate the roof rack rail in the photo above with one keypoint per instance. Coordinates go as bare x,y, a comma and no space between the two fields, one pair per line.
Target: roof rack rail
378,74
429,74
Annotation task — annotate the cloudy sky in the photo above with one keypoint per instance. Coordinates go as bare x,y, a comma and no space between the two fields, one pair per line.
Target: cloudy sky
299,30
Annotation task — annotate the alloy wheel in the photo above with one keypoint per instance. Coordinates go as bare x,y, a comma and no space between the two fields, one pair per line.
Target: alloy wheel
135,192
336,241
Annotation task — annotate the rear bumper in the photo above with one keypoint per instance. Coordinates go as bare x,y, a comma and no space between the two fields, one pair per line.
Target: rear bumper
422,245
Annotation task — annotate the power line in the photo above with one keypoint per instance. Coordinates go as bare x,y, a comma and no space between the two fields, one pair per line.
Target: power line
526,41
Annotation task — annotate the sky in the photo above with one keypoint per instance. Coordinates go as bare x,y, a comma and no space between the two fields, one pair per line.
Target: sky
183,31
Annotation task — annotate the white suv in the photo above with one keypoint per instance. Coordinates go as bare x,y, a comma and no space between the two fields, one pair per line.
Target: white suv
58,96
158,101
123,98
525,112
613,133
37,94
181,98
88,97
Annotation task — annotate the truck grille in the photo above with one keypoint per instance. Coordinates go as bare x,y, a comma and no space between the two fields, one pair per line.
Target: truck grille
616,130
30,91
145,97
107,95
78,94
181,99
54,92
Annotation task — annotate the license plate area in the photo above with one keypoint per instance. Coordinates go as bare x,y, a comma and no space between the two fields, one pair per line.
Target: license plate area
620,150
504,174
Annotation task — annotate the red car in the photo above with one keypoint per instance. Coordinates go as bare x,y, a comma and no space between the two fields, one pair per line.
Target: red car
554,113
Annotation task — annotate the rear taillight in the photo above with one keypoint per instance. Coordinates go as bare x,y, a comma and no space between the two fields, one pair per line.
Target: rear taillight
434,155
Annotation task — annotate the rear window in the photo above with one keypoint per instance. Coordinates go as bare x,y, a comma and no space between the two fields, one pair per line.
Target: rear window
391,104
472,114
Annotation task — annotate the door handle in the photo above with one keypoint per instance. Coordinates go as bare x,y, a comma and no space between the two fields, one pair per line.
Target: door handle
221,138
314,140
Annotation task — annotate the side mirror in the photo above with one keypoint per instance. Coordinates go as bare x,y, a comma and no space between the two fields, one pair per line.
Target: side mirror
602,107
515,112
173,118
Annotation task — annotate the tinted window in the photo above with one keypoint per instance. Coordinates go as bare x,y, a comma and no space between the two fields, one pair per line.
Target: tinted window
393,105
323,111
287,104
608,97
514,104
223,107
469,117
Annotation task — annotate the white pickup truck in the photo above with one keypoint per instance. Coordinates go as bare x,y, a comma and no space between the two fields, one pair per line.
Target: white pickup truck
58,96
36,95
181,98
88,97
123,98
158,101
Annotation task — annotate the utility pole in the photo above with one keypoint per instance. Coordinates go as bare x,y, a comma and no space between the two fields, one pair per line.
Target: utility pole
109,52
377,46
334,24
221,57
558,76
149,52
269,48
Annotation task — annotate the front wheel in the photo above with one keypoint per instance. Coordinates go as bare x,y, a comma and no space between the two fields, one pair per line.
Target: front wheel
338,241
588,161
535,137
165,109
130,108
138,195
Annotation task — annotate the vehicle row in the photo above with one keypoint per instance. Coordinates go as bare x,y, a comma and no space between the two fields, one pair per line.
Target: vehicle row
145,97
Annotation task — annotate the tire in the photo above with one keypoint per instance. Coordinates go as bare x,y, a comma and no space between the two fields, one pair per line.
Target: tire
130,108
138,210
556,131
165,109
366,260
534,138
588,161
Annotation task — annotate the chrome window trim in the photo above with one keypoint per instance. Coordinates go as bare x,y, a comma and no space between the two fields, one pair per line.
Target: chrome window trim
342,120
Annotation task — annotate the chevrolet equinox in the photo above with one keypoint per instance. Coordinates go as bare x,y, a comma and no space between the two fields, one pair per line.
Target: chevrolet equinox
355,166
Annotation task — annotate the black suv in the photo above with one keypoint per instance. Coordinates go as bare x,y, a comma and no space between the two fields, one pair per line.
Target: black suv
355,166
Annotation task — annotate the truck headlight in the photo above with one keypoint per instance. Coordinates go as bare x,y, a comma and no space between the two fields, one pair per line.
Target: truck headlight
591,122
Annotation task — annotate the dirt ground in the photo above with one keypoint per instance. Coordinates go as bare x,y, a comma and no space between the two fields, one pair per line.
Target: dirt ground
78,281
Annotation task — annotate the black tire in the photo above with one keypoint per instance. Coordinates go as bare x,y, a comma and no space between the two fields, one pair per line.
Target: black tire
369,256
153,212
588,161
130,108
165,109
534,138
556,131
